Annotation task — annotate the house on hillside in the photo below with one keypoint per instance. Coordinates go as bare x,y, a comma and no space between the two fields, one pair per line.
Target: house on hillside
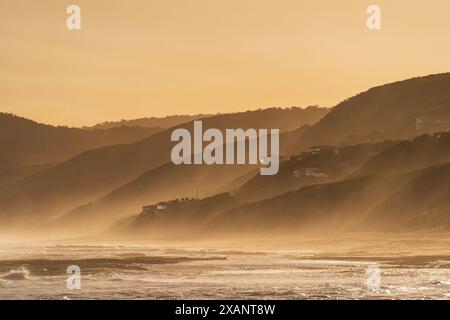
310,172
432,125
324,149
162,208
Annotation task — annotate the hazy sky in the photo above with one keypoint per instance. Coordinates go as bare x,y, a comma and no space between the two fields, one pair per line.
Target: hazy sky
135,58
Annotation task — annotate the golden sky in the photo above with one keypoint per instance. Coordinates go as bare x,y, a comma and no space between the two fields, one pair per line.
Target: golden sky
135,58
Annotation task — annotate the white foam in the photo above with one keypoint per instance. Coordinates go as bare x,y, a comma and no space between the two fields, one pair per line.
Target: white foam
15,275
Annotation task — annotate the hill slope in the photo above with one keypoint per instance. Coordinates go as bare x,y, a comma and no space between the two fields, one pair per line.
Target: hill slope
393,111
277,117
164,183
416,200
24,142
409,155
311,167
162,122
94,173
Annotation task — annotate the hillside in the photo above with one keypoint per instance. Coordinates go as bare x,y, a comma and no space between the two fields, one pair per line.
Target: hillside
409,155
16,174
178,218
164,183
333,161
421,204
415,201
393,111
319,165
24,142
151,122
286,119
316,207
94,173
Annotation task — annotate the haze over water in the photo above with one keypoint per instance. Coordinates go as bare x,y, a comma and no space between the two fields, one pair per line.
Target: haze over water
278,269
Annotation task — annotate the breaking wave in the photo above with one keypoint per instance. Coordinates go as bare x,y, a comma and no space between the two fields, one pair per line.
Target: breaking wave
17,275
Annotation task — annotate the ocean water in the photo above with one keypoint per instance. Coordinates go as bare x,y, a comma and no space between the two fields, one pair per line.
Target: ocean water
314,269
